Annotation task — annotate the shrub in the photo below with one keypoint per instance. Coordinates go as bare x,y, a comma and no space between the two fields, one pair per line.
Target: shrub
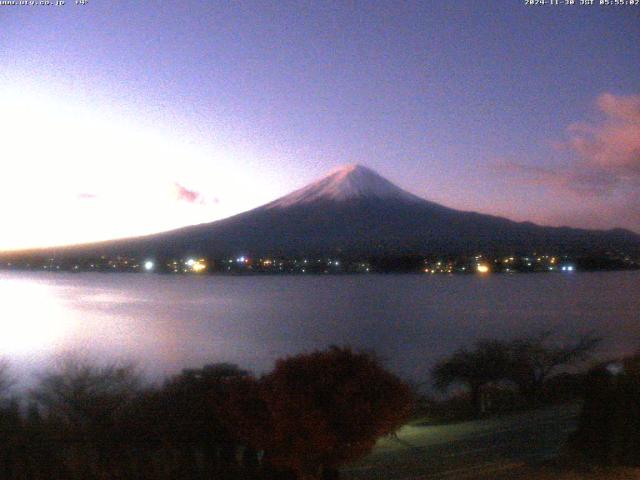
609,427
327,408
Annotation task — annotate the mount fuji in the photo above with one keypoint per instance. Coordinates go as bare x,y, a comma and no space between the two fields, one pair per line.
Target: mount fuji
344,184
355,211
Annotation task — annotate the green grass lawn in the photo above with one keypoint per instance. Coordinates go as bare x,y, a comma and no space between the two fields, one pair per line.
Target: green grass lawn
525,445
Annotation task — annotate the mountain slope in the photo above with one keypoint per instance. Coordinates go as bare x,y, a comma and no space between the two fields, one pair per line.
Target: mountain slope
355,211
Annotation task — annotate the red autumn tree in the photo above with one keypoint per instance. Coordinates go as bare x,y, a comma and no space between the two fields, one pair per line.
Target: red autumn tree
329,407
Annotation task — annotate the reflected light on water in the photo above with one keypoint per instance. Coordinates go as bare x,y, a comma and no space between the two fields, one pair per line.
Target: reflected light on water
33,318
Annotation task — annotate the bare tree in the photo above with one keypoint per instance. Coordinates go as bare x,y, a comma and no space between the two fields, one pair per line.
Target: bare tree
487,362
528,362
534,359
85,396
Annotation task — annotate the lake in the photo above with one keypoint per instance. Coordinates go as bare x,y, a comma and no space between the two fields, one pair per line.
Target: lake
166,323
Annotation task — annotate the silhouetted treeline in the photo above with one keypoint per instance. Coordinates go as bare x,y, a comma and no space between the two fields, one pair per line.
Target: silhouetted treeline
307,417
502,374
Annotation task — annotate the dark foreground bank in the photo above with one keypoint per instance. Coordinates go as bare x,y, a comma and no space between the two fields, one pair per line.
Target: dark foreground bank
311,414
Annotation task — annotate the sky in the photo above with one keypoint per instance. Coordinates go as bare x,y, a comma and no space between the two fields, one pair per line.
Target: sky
120,118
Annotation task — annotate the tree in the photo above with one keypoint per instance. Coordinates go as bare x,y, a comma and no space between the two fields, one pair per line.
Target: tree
195,405
488,362
12,441
534,359
527,362
327,408
86,399
6,380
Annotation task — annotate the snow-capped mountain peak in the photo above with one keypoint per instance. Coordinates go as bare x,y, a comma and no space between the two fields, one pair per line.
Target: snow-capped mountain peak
345,183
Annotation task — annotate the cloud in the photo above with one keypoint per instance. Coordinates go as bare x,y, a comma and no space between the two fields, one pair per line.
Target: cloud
603,154
612,144
86,196
594,180
183,194
622,107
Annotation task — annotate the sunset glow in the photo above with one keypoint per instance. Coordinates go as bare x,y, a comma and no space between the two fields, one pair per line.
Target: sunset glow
82,175
36,320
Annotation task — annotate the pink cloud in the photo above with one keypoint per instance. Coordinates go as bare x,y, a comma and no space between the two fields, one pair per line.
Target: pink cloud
604,154
183,194
623,107
614,142
610,147
598,182
86,196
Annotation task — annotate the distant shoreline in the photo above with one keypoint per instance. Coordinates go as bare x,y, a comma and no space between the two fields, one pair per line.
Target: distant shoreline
313,274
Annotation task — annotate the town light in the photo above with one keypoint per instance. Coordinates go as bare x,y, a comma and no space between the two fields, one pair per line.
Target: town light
148,265
199,266
482,268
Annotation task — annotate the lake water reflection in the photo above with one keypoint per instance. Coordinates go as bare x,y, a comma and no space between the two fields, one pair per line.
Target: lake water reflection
166,323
